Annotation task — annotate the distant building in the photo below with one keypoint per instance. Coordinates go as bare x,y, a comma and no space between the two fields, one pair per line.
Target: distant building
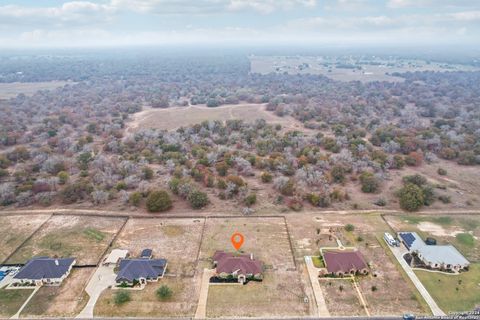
345,262
242,267
444,257
44,271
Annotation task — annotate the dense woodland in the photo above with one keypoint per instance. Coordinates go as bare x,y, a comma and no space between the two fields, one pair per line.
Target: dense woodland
69,145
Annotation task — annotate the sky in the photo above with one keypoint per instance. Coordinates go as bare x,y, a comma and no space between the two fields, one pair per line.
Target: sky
53,23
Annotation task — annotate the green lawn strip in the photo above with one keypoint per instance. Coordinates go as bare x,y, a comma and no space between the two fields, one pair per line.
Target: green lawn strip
453,293
94,234
415,294
318,262
12,300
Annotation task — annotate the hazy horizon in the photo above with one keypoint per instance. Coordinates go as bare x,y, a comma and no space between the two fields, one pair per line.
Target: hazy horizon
334,23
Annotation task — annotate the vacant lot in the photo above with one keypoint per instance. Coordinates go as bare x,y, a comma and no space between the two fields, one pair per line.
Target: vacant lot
145,303
176,240
12,300
64,301
11,90
309,233
13,232
461,231
454,293
85,238
172,118
280,294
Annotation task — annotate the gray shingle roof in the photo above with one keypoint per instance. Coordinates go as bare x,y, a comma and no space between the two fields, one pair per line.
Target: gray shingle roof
44,268
134,269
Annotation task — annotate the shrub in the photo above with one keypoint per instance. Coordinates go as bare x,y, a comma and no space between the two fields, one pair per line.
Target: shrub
349,227
266,177
121,297
442,172
370,183
415,179
62,177
135,198
444,199
411,197
158,201
198,199
338,174
222,168
381,202
164,292
251,199
147,173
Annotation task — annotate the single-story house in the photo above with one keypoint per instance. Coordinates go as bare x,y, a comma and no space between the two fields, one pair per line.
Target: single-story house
345,262
44,271
146,254
444,257
241,267
140,270
115,256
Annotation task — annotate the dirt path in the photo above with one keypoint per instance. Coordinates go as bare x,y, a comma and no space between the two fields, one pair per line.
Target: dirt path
192,213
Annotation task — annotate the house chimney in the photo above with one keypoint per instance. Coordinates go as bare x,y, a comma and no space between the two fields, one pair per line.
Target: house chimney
251,256
56,262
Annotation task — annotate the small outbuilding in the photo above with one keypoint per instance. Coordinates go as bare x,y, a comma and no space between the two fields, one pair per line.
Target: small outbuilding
146,254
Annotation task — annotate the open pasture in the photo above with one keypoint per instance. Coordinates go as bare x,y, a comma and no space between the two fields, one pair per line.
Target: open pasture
82,237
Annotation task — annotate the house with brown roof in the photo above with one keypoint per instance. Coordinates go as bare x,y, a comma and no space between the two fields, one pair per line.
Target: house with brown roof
344,262
241,267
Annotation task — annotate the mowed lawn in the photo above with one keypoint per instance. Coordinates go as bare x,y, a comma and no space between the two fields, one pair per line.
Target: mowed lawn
12,300
453,292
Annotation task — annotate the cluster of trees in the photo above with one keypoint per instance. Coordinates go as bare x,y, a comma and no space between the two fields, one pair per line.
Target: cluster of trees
70,144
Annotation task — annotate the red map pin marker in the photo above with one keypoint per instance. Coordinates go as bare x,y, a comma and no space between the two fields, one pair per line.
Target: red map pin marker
237,240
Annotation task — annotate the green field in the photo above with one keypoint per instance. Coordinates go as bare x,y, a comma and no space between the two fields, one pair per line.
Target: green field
453,292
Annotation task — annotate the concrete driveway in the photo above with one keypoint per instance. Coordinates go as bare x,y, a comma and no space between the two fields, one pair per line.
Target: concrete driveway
317,290
103,278
399,252
201,312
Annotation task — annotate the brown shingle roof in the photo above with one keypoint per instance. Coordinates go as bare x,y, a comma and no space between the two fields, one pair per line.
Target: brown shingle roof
242,264
343,261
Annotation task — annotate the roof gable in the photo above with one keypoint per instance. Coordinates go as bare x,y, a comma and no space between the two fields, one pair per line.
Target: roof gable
344,261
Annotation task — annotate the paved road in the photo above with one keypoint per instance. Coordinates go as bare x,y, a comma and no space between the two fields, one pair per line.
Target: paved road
317,290
399,252
201,312
103,278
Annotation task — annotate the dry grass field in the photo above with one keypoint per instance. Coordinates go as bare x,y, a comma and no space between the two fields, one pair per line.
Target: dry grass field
341,297
145,303
12,300
14,233
66,300
176,240
11,90
309,233
281,293
175,117
83,237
